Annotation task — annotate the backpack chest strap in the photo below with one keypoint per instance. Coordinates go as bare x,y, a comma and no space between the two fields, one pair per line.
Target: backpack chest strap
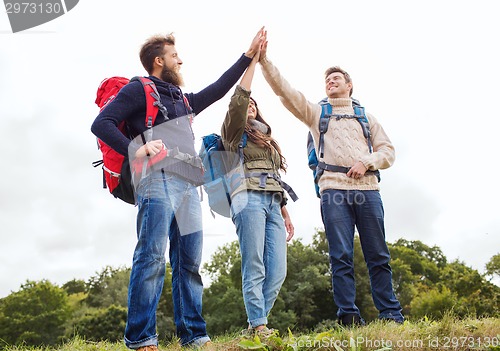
194,161
263,178
327,114
322,166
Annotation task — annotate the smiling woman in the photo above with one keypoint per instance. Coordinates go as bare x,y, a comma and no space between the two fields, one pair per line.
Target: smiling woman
258,203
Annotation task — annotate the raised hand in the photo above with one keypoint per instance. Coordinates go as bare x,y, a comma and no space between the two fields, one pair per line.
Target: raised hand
256,43
263,48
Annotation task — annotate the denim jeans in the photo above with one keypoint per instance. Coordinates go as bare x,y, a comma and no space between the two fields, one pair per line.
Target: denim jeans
262,237
342,211
168,209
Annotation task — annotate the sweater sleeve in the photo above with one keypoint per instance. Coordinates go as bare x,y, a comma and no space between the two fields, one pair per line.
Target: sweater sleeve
216,91
383,155
236,118
129,101
292,99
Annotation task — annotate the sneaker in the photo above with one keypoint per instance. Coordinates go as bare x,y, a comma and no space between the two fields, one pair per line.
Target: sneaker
261,333
148,348
249,332
351,320
200,344
265,332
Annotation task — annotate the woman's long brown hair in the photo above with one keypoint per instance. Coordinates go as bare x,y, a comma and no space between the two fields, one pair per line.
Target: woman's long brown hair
264,140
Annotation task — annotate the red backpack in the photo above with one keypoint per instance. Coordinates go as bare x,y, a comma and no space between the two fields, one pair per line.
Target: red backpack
117,175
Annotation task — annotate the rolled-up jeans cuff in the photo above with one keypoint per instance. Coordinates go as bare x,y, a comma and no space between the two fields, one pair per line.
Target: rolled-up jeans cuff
259,321
151,341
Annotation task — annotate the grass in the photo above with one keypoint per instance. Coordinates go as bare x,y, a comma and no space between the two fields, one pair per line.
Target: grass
447,334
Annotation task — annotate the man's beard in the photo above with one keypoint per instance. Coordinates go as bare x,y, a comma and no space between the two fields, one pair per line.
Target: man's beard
169,76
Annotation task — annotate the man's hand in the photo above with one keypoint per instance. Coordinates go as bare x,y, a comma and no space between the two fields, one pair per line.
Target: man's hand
256,43
263,48
151,148
357,171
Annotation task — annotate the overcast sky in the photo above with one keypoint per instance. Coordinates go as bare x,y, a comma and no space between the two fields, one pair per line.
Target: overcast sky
427,70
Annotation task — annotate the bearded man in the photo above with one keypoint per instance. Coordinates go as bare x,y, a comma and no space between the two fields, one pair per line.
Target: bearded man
166,197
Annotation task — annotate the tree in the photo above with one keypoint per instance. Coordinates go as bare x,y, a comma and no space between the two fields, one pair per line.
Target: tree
415,268
307,290
424,282
102,315
165,312
428,285
35,315
493,266
223,306
226,262
305,299
405,283
103,324
424,261
109,287
364,299
75,286
434,303
476,296
432,254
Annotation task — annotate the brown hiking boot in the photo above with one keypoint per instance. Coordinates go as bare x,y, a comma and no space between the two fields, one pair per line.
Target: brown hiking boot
208,346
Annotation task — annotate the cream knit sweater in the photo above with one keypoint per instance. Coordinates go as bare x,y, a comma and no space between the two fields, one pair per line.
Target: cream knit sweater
344,141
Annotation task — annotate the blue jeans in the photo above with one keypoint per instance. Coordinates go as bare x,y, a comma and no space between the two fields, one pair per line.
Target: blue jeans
342,210
262,237
168,209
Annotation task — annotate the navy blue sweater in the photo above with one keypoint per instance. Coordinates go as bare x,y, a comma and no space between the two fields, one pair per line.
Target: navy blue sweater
130,106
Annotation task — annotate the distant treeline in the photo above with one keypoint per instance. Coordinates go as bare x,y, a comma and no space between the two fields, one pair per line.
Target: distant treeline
427,285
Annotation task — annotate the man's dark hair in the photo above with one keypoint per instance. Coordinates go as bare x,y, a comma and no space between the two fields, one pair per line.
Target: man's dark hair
153,48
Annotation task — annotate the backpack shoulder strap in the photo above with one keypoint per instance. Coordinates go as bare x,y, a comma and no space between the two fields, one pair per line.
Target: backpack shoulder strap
241,145
189,109
311,152
244,139
359,111
324,120
326,108
186,102
153,102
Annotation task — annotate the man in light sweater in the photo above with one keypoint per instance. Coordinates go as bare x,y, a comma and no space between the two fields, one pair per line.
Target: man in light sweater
348,199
